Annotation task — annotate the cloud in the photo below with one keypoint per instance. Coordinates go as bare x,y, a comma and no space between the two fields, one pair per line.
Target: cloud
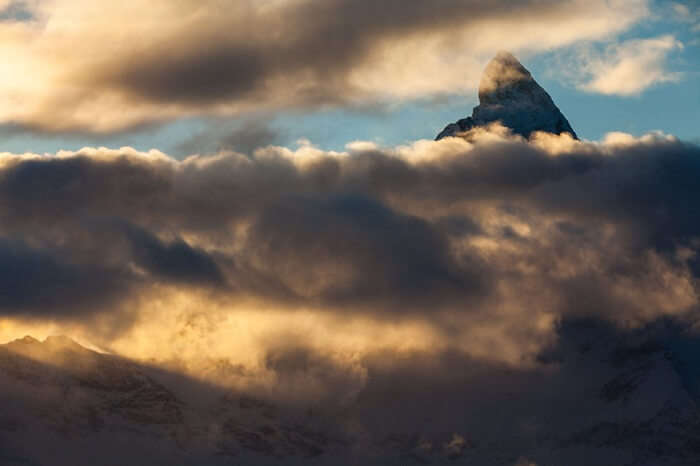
176,261
244,138
307,374
688,13
43,283
228,58
350,251
372,293
630,67
449,245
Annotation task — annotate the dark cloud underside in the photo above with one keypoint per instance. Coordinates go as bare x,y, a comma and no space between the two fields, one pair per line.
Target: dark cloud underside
242,53
370,232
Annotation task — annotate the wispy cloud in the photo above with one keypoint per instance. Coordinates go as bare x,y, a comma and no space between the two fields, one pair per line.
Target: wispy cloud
688,13
626,68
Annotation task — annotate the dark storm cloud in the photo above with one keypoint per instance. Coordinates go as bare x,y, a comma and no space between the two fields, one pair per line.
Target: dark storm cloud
176,261
649,185
377,293
653,186
43,284
381,232
64,190
89,272
352,250
240,55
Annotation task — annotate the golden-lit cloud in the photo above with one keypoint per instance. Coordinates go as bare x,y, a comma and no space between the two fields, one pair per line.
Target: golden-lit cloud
242,269
105,66
630,67
440,300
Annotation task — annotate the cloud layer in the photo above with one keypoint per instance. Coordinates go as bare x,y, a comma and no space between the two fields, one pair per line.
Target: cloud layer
443,244
68,68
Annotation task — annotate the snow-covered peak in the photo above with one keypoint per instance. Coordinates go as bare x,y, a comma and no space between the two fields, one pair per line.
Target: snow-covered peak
508,93
503,75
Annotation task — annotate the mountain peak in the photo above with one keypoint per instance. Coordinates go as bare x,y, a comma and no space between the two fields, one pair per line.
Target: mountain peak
48,349
27,339
509,94
62,341
502,73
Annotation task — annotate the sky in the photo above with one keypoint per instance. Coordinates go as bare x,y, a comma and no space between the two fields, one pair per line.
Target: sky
163,81
249,193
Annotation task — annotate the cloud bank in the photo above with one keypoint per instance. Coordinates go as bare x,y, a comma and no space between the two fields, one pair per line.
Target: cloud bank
67,67
481,248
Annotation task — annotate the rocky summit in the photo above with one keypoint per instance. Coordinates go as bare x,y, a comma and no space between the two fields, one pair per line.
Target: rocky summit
510,95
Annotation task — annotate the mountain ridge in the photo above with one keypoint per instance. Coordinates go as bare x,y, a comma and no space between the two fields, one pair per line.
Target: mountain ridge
624,399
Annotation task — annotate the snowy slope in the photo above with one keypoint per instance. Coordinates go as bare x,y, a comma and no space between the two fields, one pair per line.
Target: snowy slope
597,400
